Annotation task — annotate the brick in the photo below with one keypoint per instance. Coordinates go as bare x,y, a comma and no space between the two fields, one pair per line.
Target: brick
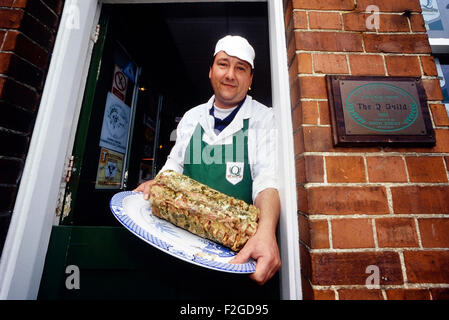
369,65
393,23
300,170
426,169
25,48
352,233
428,65
324,20
324,4
313,233
391,6
408,294
323,295
299,20
405,66
360,294
304,63
442,144
317,139
397,43
330,63
309,111
427,266
417,23
386,169
298,141
434,232
288,13
294,94
433,89
328,41
306,262
420,200
306,288
291,49
323,108
347,200
10,18
439,293
6,3
396,232
296,117
314,168
345,169
301,195
442,141
349,268
354,21
309,169
312,87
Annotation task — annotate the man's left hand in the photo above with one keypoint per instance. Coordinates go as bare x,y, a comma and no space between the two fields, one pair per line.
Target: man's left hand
263,248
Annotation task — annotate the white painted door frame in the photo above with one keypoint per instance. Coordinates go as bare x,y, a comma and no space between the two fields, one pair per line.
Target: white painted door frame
25,248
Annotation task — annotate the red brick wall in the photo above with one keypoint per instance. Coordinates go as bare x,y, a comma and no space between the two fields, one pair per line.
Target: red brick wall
27,33
379,206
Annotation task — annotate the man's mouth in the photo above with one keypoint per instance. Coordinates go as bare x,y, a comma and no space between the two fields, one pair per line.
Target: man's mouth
229,85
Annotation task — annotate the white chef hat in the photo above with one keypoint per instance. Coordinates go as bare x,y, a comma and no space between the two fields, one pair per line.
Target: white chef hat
236,46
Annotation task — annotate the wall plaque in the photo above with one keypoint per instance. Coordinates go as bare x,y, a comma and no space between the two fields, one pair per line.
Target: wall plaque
379,111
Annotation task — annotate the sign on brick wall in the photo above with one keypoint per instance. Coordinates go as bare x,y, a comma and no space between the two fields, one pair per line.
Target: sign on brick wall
379,110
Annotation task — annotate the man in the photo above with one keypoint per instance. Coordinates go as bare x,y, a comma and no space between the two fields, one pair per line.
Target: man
227,144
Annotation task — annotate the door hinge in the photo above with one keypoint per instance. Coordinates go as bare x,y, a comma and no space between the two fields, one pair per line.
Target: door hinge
70,169
96,34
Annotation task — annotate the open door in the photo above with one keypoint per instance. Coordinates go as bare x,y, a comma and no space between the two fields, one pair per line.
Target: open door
139,85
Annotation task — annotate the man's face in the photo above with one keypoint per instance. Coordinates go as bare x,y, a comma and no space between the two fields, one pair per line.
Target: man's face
230,78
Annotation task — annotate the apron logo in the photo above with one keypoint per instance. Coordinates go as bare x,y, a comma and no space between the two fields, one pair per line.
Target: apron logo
234,172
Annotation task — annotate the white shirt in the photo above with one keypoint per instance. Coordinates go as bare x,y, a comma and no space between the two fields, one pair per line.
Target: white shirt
262,140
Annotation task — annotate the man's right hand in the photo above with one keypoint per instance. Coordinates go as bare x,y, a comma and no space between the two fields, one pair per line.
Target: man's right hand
145,188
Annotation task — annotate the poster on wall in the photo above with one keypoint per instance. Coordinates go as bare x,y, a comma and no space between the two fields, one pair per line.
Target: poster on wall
436,17
110,168
114,131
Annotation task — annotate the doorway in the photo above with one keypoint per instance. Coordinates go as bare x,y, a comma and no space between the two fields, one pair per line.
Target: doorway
166,50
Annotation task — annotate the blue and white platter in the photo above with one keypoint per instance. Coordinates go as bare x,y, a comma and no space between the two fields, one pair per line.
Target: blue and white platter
134,213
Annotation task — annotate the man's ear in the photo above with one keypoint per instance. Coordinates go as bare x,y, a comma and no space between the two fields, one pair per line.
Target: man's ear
210,72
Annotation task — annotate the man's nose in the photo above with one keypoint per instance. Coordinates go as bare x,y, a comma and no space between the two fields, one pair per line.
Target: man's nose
230,73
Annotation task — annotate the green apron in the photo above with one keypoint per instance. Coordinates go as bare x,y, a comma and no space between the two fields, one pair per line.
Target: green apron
222,167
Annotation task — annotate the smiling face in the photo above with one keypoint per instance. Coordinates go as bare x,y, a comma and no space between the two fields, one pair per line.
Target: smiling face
230,78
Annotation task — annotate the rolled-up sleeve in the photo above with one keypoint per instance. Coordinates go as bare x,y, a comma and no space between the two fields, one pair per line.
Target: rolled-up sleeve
264,166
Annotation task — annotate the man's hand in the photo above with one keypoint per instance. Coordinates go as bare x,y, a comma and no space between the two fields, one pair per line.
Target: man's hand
145,188
263,245
264,249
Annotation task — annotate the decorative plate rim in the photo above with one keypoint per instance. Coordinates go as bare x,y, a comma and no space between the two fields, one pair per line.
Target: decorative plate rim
116,206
